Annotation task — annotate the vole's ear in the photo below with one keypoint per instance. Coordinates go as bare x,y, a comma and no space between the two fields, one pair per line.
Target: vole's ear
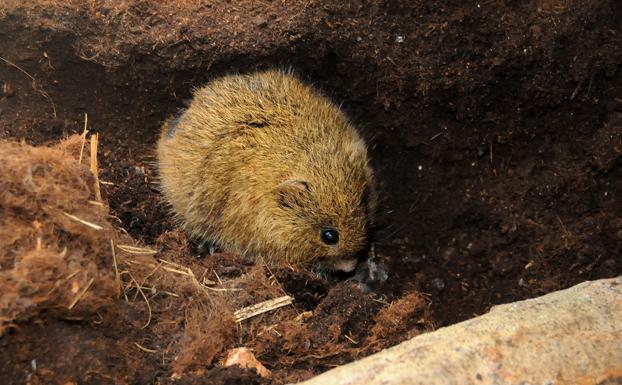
290,193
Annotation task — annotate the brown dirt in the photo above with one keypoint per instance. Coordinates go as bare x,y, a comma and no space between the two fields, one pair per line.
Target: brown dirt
495,129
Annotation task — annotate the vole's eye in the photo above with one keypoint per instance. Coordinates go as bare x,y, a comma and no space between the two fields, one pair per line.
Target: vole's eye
329,236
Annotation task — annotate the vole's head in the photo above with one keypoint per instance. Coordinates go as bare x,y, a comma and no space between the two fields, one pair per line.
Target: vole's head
326,206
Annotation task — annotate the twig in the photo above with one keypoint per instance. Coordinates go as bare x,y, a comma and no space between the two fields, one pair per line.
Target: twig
566,232
136,250
278,284
81,294
176,271
116,266
436,136
262,307
144,349
94,168
152,272
121,274
576,90
350,339
89,224
140,290
73,274
206,281
84,133
218,277
179,269
189,273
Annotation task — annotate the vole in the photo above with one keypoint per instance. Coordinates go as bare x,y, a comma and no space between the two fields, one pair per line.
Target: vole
266,167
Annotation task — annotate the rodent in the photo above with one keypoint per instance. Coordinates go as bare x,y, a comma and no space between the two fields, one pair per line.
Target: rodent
268,168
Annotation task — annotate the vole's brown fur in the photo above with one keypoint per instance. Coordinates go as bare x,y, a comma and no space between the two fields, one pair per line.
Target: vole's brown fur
262,163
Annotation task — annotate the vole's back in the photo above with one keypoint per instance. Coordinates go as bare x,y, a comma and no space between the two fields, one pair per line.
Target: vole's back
266,167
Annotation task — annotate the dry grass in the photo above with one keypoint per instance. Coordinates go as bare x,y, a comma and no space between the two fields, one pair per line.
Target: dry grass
94,167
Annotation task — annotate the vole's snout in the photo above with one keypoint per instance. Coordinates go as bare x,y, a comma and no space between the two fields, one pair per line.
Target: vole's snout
342,264
345,264
342,258
334,265
330,236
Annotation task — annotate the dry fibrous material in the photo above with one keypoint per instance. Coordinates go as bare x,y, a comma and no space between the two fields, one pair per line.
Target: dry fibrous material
54,239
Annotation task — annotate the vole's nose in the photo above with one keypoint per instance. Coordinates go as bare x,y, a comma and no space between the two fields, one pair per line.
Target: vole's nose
345,264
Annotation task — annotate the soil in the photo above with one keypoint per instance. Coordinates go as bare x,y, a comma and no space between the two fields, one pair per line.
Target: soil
495,129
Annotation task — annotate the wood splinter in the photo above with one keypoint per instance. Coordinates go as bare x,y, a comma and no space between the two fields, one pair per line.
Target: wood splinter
262,307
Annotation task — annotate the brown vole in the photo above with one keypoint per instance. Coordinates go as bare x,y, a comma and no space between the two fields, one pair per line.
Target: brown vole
267,168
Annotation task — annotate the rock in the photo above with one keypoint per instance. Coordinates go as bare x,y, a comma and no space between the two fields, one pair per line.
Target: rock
244,358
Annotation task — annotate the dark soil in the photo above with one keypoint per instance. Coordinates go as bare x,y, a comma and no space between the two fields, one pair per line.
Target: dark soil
495,130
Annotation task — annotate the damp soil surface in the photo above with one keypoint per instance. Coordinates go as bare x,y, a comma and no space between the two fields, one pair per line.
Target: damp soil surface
495,130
